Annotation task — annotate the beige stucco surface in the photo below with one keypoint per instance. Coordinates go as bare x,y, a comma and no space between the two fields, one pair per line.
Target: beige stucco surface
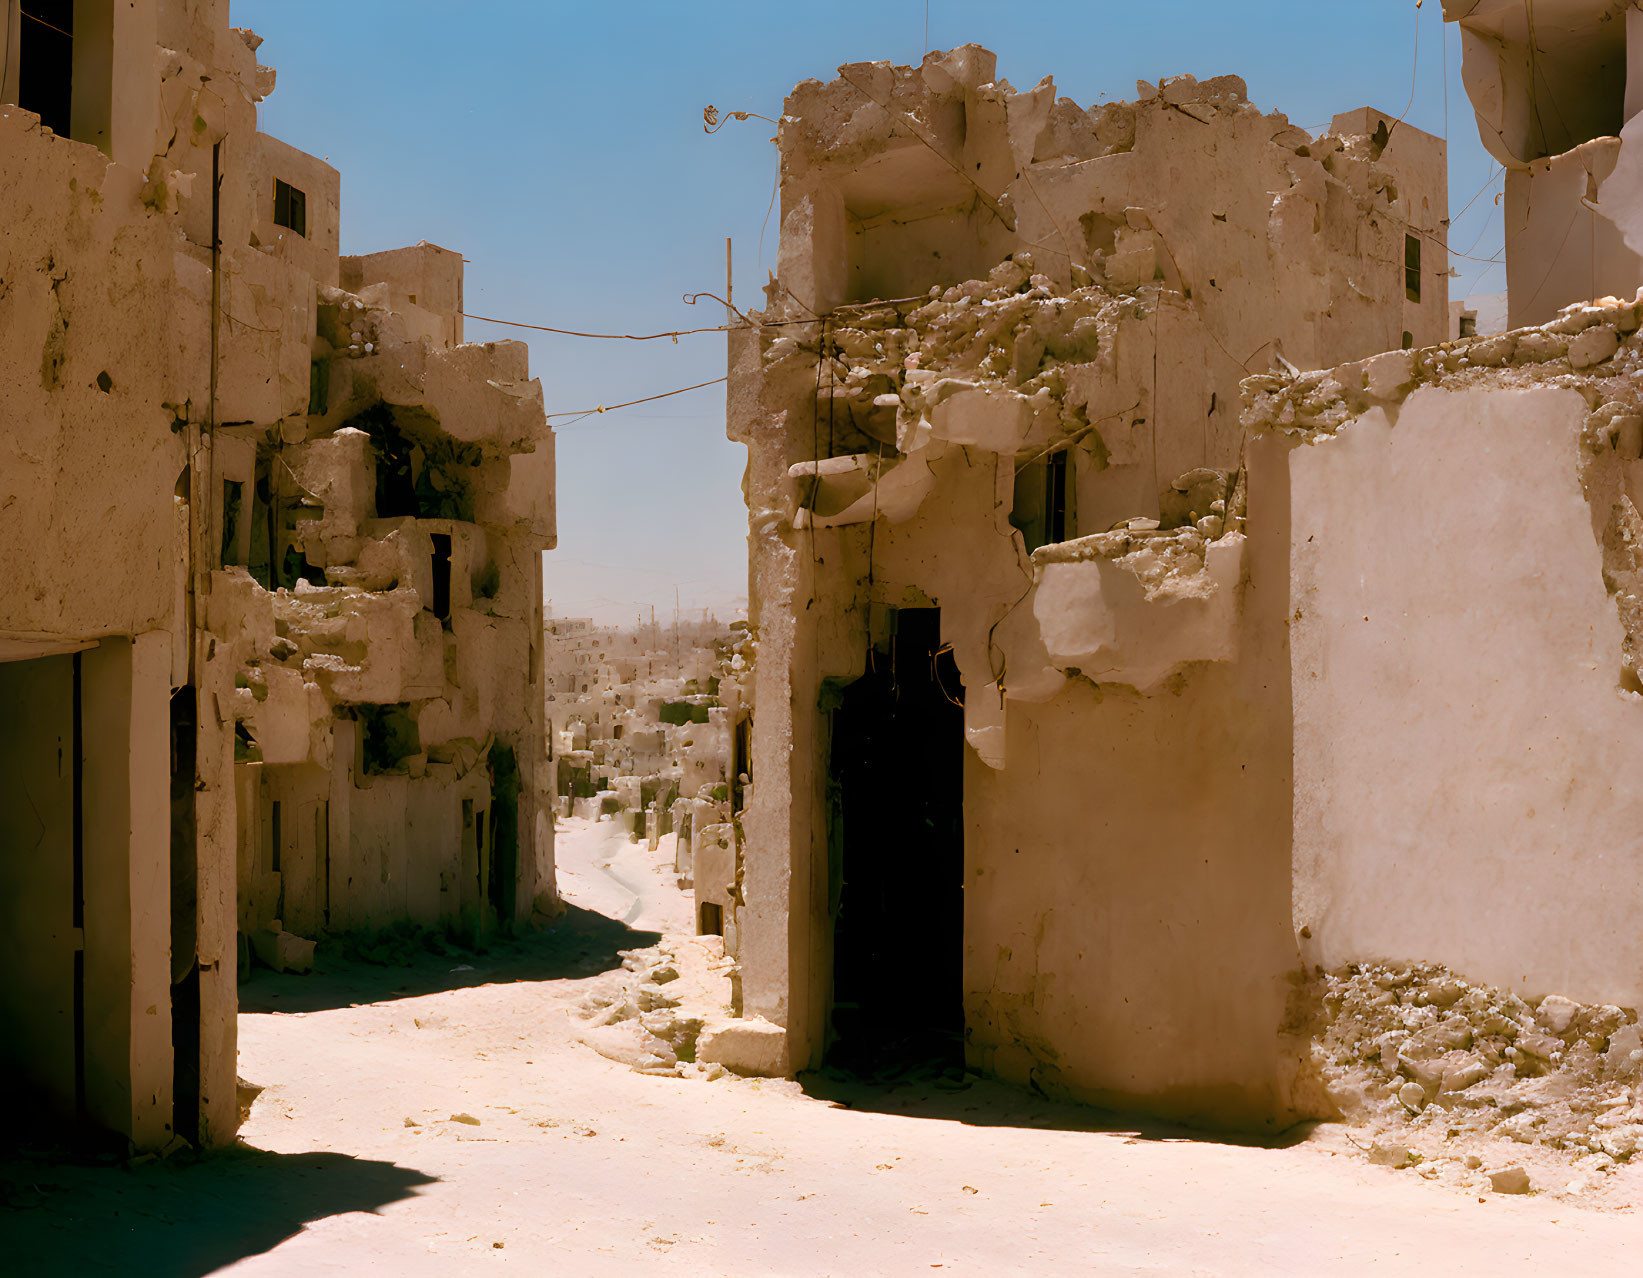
1462,744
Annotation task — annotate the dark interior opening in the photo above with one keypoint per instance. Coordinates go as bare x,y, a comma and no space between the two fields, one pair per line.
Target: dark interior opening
41,902
712,920
1412,268
442,575
1042,508
233,510
185,967
389,735
741,761
45,62
896,840
504,858
290,208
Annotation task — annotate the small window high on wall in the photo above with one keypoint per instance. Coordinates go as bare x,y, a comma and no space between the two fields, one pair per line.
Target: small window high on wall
290,208
45,62
1412,268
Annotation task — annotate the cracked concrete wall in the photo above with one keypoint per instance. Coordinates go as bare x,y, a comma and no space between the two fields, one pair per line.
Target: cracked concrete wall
973,281
1462,622
310,600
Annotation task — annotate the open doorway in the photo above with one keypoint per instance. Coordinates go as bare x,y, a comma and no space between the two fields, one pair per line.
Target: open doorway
42,1052
897,851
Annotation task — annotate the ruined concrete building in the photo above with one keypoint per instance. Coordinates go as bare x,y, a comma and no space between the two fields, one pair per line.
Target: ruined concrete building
270,636
1020,725
1558,90
1163,725
648,728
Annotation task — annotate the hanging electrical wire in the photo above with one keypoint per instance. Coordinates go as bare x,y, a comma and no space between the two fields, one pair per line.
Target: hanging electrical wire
610,408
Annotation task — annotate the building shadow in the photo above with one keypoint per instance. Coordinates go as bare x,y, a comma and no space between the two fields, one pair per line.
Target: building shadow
177,1219
956,1097
581,944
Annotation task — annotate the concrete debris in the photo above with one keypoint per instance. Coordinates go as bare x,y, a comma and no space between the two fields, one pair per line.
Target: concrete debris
1418,1046
1510,1180
659,1016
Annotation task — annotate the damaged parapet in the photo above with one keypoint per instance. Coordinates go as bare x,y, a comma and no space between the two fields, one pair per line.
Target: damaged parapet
649,729
997,486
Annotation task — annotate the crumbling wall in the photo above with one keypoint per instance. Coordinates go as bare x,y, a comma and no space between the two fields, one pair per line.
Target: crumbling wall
1465,694
998,375
400,595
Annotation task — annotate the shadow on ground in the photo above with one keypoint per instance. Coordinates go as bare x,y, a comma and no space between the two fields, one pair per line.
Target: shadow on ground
581,944
956,1097
181,1219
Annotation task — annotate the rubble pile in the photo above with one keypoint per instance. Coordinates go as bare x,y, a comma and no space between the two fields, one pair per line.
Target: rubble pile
1417,1047
650,1014
1591,349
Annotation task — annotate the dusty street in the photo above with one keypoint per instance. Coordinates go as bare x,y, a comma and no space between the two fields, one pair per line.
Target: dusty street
575,1164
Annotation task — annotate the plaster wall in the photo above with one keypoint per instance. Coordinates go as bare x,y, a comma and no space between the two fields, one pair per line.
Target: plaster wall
126,688
1462,746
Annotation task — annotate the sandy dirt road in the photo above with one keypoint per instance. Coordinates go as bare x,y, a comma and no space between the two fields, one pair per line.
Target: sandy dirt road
577,1165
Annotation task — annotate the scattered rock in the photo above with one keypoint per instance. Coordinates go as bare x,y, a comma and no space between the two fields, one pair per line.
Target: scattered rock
467,1119
1510,1180
1556,1012
1391,1155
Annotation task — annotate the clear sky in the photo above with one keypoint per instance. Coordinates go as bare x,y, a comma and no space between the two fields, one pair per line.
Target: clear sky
558,145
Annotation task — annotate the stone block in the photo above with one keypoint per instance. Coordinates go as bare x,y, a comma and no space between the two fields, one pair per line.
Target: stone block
753,1046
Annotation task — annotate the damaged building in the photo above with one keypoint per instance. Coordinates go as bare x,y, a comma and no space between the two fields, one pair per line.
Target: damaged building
1150,721
270,641
1022,723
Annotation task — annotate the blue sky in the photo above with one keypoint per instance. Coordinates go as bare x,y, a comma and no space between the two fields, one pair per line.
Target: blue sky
559,146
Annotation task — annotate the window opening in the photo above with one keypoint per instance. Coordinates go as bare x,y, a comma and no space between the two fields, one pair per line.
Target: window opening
274,836
1055,496
233,496
441,605
713,920
290,208
45,62
1412,268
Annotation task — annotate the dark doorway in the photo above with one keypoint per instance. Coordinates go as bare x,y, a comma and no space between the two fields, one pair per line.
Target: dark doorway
896,841
185,968
441,562
503,887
